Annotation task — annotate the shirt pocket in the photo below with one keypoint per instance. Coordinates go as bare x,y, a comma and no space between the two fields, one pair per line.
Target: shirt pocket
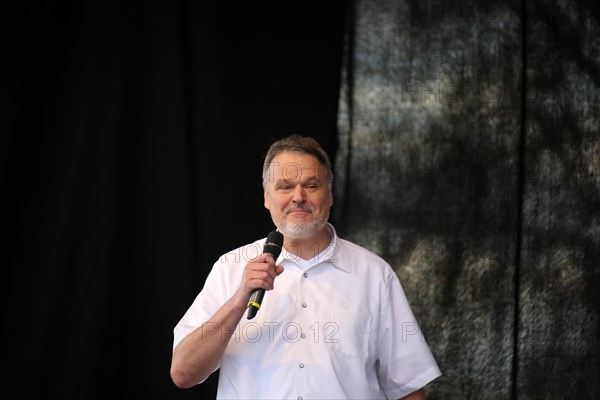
349,332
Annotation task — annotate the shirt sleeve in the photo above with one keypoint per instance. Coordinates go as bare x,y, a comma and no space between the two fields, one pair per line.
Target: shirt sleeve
405,361
209,300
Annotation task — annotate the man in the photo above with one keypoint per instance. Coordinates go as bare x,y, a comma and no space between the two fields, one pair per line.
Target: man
334,323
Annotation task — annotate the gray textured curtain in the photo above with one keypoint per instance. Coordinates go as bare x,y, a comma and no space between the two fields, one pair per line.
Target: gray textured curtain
469,157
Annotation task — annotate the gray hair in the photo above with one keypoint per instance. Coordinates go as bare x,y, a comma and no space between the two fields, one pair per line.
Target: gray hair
298,144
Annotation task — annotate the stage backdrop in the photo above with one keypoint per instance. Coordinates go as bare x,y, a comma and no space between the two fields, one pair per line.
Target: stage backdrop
469,157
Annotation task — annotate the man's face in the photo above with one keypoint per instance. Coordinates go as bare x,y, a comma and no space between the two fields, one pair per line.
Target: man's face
298,195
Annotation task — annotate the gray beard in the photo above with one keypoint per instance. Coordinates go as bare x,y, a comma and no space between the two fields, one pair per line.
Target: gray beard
302,230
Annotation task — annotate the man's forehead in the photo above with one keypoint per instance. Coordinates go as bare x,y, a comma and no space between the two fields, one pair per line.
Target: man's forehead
293,170
294,167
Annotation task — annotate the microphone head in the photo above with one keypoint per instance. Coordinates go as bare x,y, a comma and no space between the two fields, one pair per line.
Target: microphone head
273,244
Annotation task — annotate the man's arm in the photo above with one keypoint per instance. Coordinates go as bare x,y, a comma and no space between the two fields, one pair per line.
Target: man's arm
418,395
200,352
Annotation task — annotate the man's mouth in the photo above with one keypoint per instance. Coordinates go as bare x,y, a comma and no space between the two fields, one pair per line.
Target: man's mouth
298,210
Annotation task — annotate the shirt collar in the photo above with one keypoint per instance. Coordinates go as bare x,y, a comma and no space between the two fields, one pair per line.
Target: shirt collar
332,253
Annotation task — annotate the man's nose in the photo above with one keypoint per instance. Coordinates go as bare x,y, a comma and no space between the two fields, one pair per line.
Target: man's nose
298,196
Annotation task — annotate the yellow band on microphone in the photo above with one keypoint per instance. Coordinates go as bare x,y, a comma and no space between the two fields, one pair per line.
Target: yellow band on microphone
252,303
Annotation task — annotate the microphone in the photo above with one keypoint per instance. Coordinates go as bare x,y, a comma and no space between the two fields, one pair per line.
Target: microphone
273,246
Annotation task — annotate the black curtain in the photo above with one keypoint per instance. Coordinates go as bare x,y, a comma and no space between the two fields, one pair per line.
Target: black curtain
133,136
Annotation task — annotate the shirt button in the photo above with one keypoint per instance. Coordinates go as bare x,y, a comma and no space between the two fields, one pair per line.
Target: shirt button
305,275
304,305
301,365
303,335
299,397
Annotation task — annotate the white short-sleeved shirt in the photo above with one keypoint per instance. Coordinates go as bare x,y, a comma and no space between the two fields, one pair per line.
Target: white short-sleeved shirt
337,326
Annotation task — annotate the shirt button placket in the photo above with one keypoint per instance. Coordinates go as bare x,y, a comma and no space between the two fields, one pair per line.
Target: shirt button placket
302,334
304,305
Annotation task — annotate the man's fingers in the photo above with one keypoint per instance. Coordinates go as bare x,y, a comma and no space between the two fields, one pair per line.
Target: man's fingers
261,274
262,258
278,269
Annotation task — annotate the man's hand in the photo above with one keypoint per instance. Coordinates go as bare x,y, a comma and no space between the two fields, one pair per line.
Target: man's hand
259,273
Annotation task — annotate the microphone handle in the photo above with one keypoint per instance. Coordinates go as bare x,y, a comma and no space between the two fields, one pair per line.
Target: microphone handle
255,301
273,245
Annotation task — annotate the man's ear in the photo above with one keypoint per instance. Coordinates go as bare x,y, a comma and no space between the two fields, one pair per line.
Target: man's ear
267,203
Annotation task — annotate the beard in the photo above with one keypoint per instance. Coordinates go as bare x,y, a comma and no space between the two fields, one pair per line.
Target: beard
302,229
